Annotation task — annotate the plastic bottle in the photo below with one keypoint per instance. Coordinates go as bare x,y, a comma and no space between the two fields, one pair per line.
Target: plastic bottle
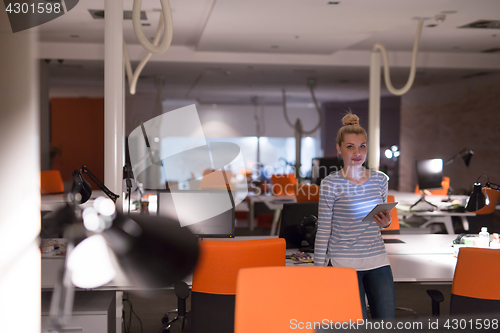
484,238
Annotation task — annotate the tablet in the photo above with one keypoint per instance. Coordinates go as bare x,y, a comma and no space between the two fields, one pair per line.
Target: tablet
379,208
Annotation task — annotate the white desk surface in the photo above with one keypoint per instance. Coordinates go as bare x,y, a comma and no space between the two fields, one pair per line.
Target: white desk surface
409,198
52,202
422,258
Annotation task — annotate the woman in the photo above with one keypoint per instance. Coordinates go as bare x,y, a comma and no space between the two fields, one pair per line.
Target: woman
342,238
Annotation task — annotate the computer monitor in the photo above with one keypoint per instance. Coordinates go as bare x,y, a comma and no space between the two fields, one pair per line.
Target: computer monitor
323,166
429,173
429,177
298,225
213,211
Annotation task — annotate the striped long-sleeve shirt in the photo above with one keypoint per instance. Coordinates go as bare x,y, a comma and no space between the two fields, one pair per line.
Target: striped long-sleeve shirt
350,241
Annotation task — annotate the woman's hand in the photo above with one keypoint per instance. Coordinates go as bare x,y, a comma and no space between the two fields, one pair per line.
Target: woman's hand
383,219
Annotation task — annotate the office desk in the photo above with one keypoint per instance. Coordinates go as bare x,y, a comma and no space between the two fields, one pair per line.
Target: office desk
92,312
422,258
440,217
405,200
274,203
52,202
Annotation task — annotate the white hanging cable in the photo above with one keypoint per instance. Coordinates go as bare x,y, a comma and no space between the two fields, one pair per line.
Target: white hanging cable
318,109
166,14
284,108
316,105
159,86
411,78
132,76
298,129
258,116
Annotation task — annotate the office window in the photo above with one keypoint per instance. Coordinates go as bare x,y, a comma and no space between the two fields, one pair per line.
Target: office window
274,152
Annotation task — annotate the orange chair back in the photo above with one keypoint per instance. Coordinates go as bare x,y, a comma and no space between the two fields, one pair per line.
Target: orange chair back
51,182
491,206
283,184
477,273
215,180
394,216
307,193
274,299
220,261
445,184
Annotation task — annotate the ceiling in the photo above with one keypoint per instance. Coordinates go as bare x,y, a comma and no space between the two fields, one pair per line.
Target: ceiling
229,51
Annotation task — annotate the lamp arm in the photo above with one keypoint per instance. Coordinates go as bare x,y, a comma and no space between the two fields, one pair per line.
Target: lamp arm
106,190
493,186
454,157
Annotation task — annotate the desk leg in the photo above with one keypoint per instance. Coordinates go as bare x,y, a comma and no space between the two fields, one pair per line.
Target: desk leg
276,218
119,310
446,220
465,223
251,212
448,223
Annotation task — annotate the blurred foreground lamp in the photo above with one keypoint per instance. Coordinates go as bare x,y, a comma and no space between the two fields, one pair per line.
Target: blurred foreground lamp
148,253
466,155
82,190
478,199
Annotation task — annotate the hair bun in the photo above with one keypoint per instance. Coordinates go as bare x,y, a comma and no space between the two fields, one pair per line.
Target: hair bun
350,119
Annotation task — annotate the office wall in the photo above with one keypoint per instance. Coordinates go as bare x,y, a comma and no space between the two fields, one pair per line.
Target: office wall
389,116
440,120
20,178
77,135
389,131
224,120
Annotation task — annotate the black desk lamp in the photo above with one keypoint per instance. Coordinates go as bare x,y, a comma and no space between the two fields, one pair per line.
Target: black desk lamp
466,155
151,252
477,199
82,190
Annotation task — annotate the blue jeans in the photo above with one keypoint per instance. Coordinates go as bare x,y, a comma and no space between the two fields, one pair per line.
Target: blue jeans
378,284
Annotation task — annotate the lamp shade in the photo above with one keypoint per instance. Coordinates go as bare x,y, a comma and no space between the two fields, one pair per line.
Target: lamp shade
477,199
81,188
153,252
467,157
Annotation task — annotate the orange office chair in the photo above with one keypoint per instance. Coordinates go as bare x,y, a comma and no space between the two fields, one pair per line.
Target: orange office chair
475,283
394,227
445,184
51,182
484,217
307,193
216,180
214,278
274,299
493,200
283,184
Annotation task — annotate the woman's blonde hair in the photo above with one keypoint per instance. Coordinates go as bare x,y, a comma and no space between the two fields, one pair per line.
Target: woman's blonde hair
351,126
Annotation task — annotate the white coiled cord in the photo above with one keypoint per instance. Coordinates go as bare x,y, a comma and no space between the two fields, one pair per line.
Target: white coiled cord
387,76
165,24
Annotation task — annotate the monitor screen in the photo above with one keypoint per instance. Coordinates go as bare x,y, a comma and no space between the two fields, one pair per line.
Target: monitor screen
292,215
207,213
429,173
